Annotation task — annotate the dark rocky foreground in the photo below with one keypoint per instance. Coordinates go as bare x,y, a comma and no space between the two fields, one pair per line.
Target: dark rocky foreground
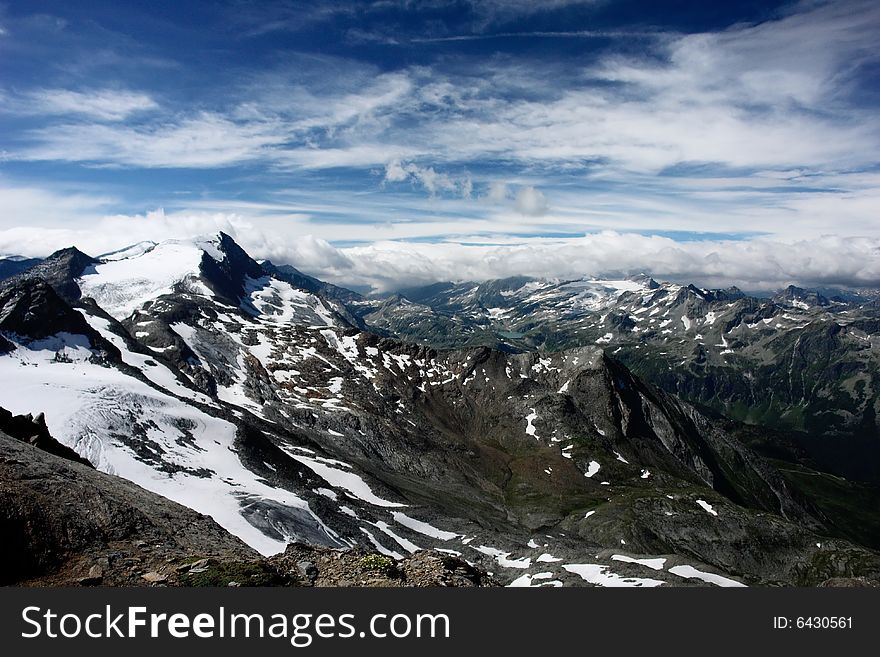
64,523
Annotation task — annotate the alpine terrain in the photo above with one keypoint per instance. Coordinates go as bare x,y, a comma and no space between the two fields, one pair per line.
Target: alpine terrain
522,432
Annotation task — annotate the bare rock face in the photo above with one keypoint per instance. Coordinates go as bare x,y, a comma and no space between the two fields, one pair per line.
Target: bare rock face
316,566
60,519
850,582
60,270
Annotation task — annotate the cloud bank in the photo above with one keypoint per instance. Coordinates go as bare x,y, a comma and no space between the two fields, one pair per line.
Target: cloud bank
756,264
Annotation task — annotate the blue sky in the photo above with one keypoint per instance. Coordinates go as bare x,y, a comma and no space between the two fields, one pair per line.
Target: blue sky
394,142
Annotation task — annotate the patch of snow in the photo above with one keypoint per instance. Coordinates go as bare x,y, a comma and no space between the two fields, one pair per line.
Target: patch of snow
407,545
382,549
526,581
503,558
547,558
422,527
707,507
689,572
653,564
599,575
346,480
530,428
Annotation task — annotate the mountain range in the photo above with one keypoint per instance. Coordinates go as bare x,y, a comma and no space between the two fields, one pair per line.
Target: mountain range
612,433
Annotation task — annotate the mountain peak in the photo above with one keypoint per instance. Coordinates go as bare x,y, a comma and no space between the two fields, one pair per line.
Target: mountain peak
798,295
60,270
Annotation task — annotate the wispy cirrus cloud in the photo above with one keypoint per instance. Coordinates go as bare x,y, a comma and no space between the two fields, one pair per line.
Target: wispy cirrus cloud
100,104
204,140
772,95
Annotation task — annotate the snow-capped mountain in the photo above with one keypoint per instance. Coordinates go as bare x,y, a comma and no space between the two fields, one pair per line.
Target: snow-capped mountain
248,393
798,361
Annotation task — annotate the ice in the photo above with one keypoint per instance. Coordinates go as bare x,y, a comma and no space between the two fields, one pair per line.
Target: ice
86,404
347,346
153,370
280,302
592,469
448,551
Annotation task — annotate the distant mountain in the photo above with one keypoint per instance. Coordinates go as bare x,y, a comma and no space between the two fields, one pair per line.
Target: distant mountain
250,393
12,265
799,361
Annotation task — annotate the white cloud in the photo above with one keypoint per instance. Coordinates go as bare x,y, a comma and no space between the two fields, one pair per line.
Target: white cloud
109,232
101,104
497,192
774,95
467,186
752,264
395,172
757,264
432,181
202,141
36,207
531,202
